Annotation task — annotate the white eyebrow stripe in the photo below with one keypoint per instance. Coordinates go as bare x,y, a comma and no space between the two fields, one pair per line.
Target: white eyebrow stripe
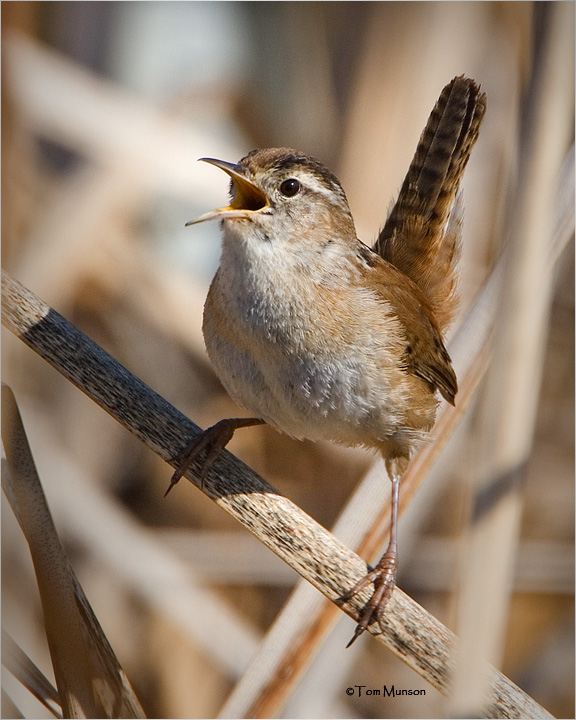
316,184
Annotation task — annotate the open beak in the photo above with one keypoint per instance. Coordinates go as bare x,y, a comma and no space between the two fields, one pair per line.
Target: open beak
247,198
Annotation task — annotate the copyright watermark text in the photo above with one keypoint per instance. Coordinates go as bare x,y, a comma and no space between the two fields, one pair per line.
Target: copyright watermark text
384,691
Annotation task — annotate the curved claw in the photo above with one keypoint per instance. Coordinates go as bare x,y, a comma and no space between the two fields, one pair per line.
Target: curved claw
212,441
359,630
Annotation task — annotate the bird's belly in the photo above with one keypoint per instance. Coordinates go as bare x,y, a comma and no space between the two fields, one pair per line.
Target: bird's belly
308,396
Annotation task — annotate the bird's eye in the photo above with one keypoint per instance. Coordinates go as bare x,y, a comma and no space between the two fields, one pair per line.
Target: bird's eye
290,187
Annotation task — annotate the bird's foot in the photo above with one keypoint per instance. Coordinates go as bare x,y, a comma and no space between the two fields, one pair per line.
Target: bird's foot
212,441
384,578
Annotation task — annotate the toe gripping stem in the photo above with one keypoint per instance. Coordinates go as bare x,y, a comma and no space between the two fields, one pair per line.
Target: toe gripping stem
211,442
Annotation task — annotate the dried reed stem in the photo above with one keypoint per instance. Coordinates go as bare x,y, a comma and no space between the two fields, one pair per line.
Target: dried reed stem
91,682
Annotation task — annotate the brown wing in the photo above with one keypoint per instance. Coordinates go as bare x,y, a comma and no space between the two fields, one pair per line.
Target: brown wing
424,354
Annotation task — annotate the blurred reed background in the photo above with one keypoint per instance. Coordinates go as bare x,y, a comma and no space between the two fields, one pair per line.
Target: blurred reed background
106,108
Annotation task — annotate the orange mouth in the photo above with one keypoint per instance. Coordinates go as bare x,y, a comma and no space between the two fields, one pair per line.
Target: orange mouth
248,198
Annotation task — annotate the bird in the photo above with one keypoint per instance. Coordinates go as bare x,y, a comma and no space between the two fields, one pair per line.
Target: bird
323,337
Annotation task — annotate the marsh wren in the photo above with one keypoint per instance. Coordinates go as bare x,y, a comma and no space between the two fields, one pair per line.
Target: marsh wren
323,337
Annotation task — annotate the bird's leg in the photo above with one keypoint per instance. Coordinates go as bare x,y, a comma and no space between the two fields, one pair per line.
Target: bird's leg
212,441
384,574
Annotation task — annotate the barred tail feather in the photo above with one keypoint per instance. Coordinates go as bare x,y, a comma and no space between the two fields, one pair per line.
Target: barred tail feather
421,236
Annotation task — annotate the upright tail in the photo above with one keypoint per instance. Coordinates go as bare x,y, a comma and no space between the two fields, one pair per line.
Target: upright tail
421,236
